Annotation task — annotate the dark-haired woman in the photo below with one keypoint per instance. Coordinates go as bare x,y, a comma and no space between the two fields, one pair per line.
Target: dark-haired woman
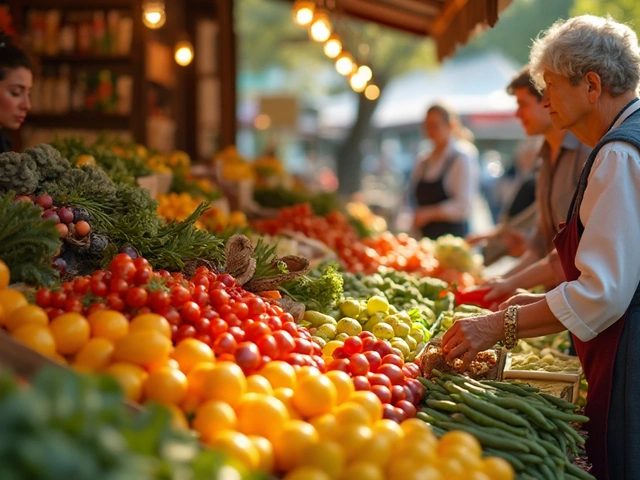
16,80
445,181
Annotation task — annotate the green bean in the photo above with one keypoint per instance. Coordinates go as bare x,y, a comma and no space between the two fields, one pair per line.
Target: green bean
435,414
525,407
487,421
495,411
546,471
439,396
567,417
569,431
529,458
442,405
485,439
515,462
571,469
559,402
431,386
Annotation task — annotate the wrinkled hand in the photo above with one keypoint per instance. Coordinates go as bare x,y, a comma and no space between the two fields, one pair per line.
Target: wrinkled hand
522,299
470,336
515,241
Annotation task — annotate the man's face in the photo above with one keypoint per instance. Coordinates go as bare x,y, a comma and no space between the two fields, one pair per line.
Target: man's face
531,112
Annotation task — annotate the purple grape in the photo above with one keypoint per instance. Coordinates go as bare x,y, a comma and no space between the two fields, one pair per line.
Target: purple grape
65,214
51,215
132,252
60,265
44,200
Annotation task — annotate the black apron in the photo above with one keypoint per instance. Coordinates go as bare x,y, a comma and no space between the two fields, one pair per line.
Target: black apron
431,193
5,143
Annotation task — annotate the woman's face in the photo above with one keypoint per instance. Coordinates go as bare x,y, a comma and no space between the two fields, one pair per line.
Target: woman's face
15,90
437,128
567,103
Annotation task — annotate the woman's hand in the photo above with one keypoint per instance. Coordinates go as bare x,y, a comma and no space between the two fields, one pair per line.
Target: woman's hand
522,299
498,288
468,337
422,217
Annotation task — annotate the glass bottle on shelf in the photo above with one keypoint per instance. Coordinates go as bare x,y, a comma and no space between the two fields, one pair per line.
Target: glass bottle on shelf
62,90
67,40
99,32
79,92
51,32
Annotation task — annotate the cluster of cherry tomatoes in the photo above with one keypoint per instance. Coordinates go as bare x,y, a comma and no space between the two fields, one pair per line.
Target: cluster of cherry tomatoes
238,325
373,366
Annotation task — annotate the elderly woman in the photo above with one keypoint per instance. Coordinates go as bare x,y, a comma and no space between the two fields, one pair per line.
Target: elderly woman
589,68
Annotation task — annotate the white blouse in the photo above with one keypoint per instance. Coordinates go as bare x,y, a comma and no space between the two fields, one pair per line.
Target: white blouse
608,256
460,183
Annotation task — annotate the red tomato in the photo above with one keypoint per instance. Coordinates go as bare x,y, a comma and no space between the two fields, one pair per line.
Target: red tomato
295,359
374,360
99,288
179,296
204,338
411,370
382,347
368,343
274,322
305,347
94,307
73,305
98,275
218,297
256,306
379,379
136,297
256,330
201,279
416,388
358,364
241,310
407,407
208,312
227,279
143,276
141,263
186,331
317,350
352,345
393,359
391,413
290,327
364,334
226,357
81,285
408,394
237,333
393,372
268,346
118,285
341,364
360,382
397,394
287,317
202,325
285,342
231,319
319,363
275,310
172,316
247,356
190,312
225,343
201,298
53,312
382,392
225,310
217,326
115,302
43,297
159,300
340,353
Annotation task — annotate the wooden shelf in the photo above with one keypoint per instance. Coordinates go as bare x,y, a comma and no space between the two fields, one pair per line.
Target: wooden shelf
81,121
82,58
79,4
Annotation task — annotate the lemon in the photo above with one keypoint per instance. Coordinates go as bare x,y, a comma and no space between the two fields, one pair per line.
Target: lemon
377,304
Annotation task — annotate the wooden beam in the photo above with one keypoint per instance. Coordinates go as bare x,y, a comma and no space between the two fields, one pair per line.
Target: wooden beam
386,14
448,13
227,65
428,8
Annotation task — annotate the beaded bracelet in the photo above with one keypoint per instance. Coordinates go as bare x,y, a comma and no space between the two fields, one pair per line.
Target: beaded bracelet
511,327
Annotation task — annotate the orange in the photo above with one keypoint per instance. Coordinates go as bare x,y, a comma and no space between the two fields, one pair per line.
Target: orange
370,401
5,275
405,469
189,352
225,382
163,362
71,331
476,475
293,441
130,377
265,452
261,415
24,315
415,448
326,425
314,395
237,447
36,337
258,384
142,348
151,321
457,438
2,316
195,378
343,383
353,440
280,374
469,460
11,300
389,429
498,468
352,413
213,417
450,468
326,456
108,324
178,418
95,355
307,473
190,403
165,385
364,471
285,395
376,450
306,371
415,426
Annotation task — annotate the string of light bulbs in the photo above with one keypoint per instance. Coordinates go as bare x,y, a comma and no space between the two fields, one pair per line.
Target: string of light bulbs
317,19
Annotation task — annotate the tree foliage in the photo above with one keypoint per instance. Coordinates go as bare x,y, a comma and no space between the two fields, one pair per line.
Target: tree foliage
627,11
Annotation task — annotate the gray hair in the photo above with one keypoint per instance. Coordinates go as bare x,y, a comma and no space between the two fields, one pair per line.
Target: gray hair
574,47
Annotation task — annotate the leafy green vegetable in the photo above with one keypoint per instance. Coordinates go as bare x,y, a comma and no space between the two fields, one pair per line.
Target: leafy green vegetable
23,172
320,290
180,184
322,203
27,243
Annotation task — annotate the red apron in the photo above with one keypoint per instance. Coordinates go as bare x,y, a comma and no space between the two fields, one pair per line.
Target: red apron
597,357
